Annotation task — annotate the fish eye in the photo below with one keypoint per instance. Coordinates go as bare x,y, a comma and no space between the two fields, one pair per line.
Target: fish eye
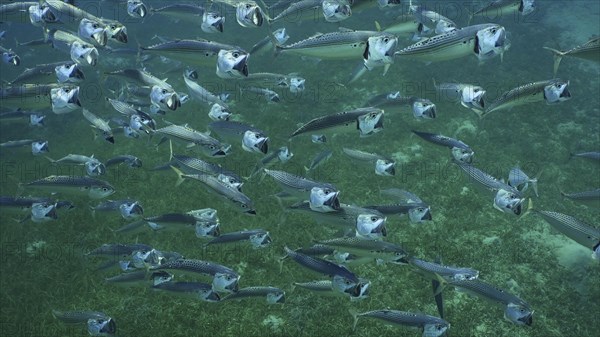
104,189
244,206
67,90
386,39
236,54
248,6
164,91
493,30
374,218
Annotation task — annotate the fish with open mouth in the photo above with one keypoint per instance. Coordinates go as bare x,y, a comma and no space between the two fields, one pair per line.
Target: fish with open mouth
137,9
430,21
383,166
508,202
498,8
195,290
405,203
92,31
259,238
62,98
552,91
459,43
253,139
468,95
192,52
38,147
422,108
430,325
232,64
211,21
98,323
162,93
321,266
81,52
367,120
460,151
273,295
69,15
324,200
93,188
280,36
198,92
66,71
99,124
224,278
209,145
10,57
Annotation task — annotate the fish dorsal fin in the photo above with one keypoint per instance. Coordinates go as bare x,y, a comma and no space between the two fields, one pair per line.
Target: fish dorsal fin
345,30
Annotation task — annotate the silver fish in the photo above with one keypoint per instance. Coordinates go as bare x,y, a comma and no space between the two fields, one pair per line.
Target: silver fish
516,310
320,265
196,165
592,196
573,228
249,14
371,226
241,201
252,139
129,160
368,247
336,45
485,180
98,323
448,272
69,73
136,9
551,91
421,107
593,155
291,181
508,202
280,35
127,208
10,57
259,238
118,249
208,144
193,52
298,11
218,112
269,95
139,277
460,151
339,286
93,188
60,97
587,51
319,160
92,31
212,22
43,212
468,95
336,10
318,139
200,93
43,73
274,295
367,120
455,44
195,290
81,52
431,21
519,179
498,8
100,124
383,165
224,278
431,325
405,23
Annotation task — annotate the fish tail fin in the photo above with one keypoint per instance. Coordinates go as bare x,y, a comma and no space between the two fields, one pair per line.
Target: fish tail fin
280,261
558,55
170,150
355,316
442,283
360,70
180,177
534,182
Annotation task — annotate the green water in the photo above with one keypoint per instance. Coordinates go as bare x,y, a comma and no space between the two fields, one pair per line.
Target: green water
553,274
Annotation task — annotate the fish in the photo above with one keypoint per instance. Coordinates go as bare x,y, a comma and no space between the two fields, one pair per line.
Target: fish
298,11
253,139
455,44
81,52
321,266
127,208
282,154
324,200
259,238
269,95
112,250
368,247
468,95
171,222
93,32
241,201
592,155
139,277
551,91
209,145
136,9
10,57
129,160
422,108
592,196
197,165
339,286
43,73
219,113
280,35
383,166
211,21
519,179
319,160
200,93
192,52
98,323
34,118
247,13
346,216
431,21
368,121
430,325
459,150
292,182
318,139
498,8
516,310
195,290
93,188
508,202
224,278
274,295
573,228
587,51
68,14
336,10
485,180
405,23
346,44
61,98
432,269
100,124
38,147
406,203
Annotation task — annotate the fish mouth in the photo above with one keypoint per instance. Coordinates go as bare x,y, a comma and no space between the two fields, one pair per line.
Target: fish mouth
110,327
120,35
427,216
251,212
242,66
219,25
257,17
333,202
110,139
173,102
263,145
52,214
77,74
527,320
16,60
141,10
565,94
48,15
391,170
100,37
216,231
